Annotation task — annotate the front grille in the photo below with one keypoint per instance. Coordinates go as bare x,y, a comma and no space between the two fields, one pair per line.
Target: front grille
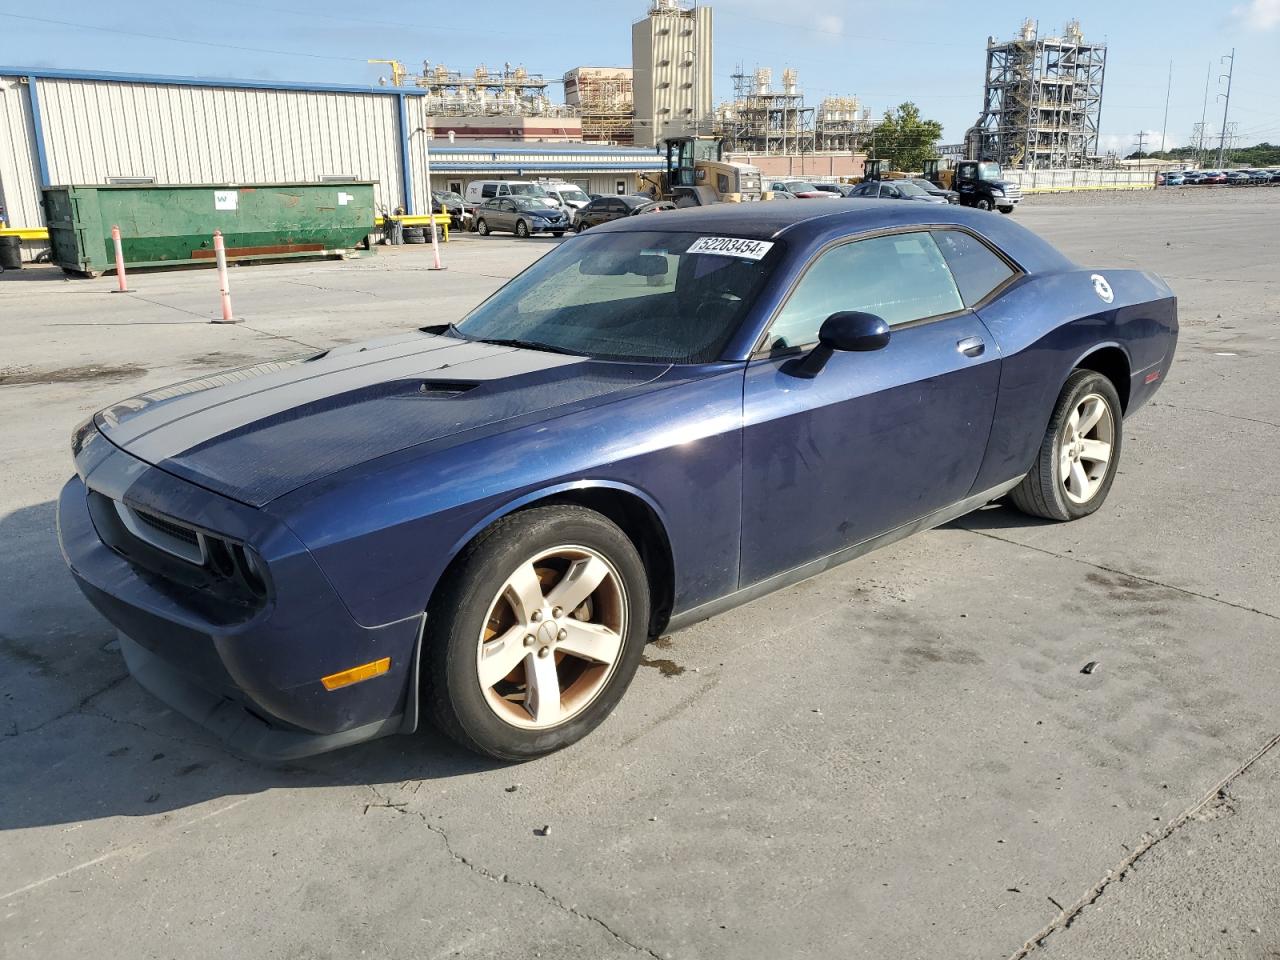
163,534
168,526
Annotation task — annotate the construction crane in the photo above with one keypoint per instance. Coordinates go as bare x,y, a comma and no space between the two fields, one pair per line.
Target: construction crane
398,71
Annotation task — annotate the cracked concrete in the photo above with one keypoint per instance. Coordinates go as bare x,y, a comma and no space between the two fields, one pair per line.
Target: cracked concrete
899,758
488,874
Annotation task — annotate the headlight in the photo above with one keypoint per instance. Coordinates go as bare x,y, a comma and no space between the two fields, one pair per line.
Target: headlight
999,190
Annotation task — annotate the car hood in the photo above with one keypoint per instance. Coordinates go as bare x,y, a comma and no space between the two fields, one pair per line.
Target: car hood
259,432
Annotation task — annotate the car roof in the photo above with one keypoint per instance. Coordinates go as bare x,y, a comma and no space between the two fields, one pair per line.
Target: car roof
772,220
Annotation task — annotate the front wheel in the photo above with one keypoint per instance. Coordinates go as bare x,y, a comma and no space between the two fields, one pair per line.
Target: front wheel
983,204
1080,452
537,633
522,229
582,225
1006,210
482,228
557,233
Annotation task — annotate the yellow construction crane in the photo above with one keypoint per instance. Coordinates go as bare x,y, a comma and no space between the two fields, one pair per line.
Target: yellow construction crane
398,71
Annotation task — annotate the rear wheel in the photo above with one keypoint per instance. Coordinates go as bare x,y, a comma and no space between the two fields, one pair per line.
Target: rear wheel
538,632
1080,452
522,229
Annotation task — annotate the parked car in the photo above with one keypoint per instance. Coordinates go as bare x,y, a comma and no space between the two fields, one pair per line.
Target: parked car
1213,177
931,188
609,208
446,201
982,184
483,523
894,190
1172,179
1259,176
1275,176
569,196
839,189
1239,177
800,188
478,191
523,216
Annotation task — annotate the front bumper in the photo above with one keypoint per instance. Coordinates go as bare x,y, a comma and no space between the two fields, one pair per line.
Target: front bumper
250,675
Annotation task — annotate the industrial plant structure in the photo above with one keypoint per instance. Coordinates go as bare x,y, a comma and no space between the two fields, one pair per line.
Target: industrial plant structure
671,64
765,120
603,99
1043,100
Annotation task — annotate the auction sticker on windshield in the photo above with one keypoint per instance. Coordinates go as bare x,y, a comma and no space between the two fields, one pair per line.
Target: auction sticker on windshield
731,247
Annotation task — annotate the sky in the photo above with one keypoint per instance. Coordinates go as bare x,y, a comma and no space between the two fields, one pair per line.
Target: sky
927,52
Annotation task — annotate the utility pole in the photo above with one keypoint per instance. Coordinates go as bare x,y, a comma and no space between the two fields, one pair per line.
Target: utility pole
1164,130
1226,106
1204,114
1142,140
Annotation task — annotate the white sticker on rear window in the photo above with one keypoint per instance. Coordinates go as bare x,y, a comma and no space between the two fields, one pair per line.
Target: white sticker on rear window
731,247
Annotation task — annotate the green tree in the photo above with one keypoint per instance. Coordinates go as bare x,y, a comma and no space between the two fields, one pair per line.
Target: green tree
905,138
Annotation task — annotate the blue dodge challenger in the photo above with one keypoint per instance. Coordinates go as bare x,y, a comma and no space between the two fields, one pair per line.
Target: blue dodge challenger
485,522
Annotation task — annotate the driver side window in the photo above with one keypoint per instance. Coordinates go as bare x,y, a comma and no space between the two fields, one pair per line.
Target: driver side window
900,278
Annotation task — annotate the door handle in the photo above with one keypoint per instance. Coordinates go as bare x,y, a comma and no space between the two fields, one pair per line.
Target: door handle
971,346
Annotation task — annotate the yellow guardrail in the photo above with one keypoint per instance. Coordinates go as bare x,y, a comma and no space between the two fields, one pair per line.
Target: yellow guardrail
25,233
419,220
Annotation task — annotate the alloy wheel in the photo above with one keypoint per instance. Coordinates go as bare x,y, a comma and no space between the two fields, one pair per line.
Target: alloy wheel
552,638
1085,450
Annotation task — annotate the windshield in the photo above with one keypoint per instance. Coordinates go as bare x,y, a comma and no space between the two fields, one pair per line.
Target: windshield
628,296
988,171
529,203
526,190
800,186
909,189
574,194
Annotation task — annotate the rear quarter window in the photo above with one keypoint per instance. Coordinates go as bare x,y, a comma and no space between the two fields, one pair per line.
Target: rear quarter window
977,268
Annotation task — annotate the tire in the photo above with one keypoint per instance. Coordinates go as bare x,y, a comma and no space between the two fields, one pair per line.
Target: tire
415,235
482,228
473,610
582,225
557,234
1047,490
983,203
522,230
1006,210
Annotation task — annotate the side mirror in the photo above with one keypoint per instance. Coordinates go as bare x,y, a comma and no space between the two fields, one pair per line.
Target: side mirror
849,330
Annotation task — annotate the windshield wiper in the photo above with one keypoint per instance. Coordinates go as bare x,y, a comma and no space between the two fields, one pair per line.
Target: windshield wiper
525,344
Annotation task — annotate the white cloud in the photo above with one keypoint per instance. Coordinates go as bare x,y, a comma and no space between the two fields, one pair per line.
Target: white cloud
1259,14
1127,143
829,23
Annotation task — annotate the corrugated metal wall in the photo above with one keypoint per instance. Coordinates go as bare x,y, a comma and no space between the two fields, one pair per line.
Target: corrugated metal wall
19,176
96,130
671,59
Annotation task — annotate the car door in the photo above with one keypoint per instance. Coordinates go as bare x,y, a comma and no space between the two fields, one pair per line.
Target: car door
506,216
875,440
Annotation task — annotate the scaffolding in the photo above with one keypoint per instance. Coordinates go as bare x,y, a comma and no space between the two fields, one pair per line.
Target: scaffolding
1043,100
510,91
764,120
604,99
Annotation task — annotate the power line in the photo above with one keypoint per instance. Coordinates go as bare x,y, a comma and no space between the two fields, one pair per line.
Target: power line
199,43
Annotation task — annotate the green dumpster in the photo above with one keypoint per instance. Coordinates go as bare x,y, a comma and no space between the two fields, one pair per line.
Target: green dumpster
162,224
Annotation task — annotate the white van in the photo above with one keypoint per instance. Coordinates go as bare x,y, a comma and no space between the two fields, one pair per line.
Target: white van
569,195
478,191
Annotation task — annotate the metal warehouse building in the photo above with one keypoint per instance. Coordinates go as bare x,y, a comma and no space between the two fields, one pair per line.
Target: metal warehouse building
77,127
